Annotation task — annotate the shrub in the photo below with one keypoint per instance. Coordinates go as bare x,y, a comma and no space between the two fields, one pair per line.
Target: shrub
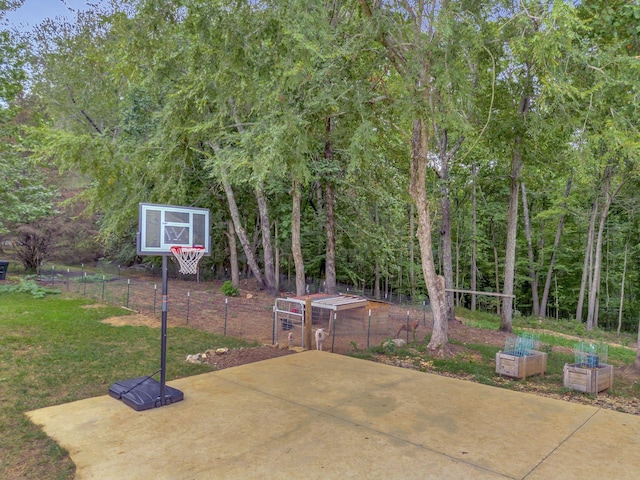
94,278
229,290
30,287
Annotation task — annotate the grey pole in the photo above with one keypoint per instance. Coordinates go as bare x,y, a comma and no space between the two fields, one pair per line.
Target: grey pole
163,340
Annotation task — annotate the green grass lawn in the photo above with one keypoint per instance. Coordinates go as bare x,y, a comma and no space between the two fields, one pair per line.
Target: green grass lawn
55,350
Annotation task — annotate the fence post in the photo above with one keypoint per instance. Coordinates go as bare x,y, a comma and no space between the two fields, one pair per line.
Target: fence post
103,288
155,295
333,338
369,329
188,302
307,323
424,312
407,327
52,274
273,328
84,292
67,279
226,303
129,292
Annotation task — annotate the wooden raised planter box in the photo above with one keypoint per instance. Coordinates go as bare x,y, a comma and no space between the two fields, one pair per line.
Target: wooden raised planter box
589,380
521,367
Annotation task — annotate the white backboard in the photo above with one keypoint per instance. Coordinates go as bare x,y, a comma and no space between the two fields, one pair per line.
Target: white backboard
164,226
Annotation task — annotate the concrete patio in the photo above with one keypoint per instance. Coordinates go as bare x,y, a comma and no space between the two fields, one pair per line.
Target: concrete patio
321,415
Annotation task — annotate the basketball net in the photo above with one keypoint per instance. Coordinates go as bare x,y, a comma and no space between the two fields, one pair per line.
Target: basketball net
188,257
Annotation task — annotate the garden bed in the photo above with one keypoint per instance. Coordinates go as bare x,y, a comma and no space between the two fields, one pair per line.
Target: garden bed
535,363
588,379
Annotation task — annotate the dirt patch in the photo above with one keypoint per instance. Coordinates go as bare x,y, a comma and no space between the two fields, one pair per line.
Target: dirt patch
137,320
466,334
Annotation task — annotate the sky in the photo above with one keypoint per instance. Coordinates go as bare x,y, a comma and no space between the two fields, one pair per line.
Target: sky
34,12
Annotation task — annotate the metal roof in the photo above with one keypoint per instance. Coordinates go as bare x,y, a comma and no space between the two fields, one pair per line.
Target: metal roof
333,302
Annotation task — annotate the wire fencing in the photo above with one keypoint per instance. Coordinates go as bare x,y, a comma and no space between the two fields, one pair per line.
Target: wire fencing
253,317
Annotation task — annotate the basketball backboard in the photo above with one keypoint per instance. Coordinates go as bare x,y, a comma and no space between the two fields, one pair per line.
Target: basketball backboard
164,226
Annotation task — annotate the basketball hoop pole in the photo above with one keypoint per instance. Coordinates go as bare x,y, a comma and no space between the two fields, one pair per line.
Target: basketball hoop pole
163,339
165,230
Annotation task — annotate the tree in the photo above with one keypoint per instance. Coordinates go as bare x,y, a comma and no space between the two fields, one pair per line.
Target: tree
534,37
24,196
345,125
556,243
412,35
92,124
611,140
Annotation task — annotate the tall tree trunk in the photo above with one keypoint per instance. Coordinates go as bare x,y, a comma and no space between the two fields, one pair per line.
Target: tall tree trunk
412,273
255,243
276,266
376,281
330,218
267,246
474,241
496,263
434,283
296,246
445,227
330,230
442,170
597,263
556,245
517,165
233,254
421,80
557,299
624,274
457,277
636,363
386,286
533,275
512,228
592,313
588,255
242,235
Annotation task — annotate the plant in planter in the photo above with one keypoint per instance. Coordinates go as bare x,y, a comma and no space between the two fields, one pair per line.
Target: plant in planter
590,373
521,357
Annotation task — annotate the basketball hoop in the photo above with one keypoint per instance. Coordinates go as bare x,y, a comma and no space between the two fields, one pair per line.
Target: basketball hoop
188,257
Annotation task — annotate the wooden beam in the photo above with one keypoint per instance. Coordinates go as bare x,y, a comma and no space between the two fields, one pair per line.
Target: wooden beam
307,324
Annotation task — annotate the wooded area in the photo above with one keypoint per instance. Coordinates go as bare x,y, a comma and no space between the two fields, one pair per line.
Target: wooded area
413,146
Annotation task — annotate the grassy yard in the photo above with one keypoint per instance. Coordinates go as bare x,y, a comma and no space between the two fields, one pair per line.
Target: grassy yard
55,350
476,362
